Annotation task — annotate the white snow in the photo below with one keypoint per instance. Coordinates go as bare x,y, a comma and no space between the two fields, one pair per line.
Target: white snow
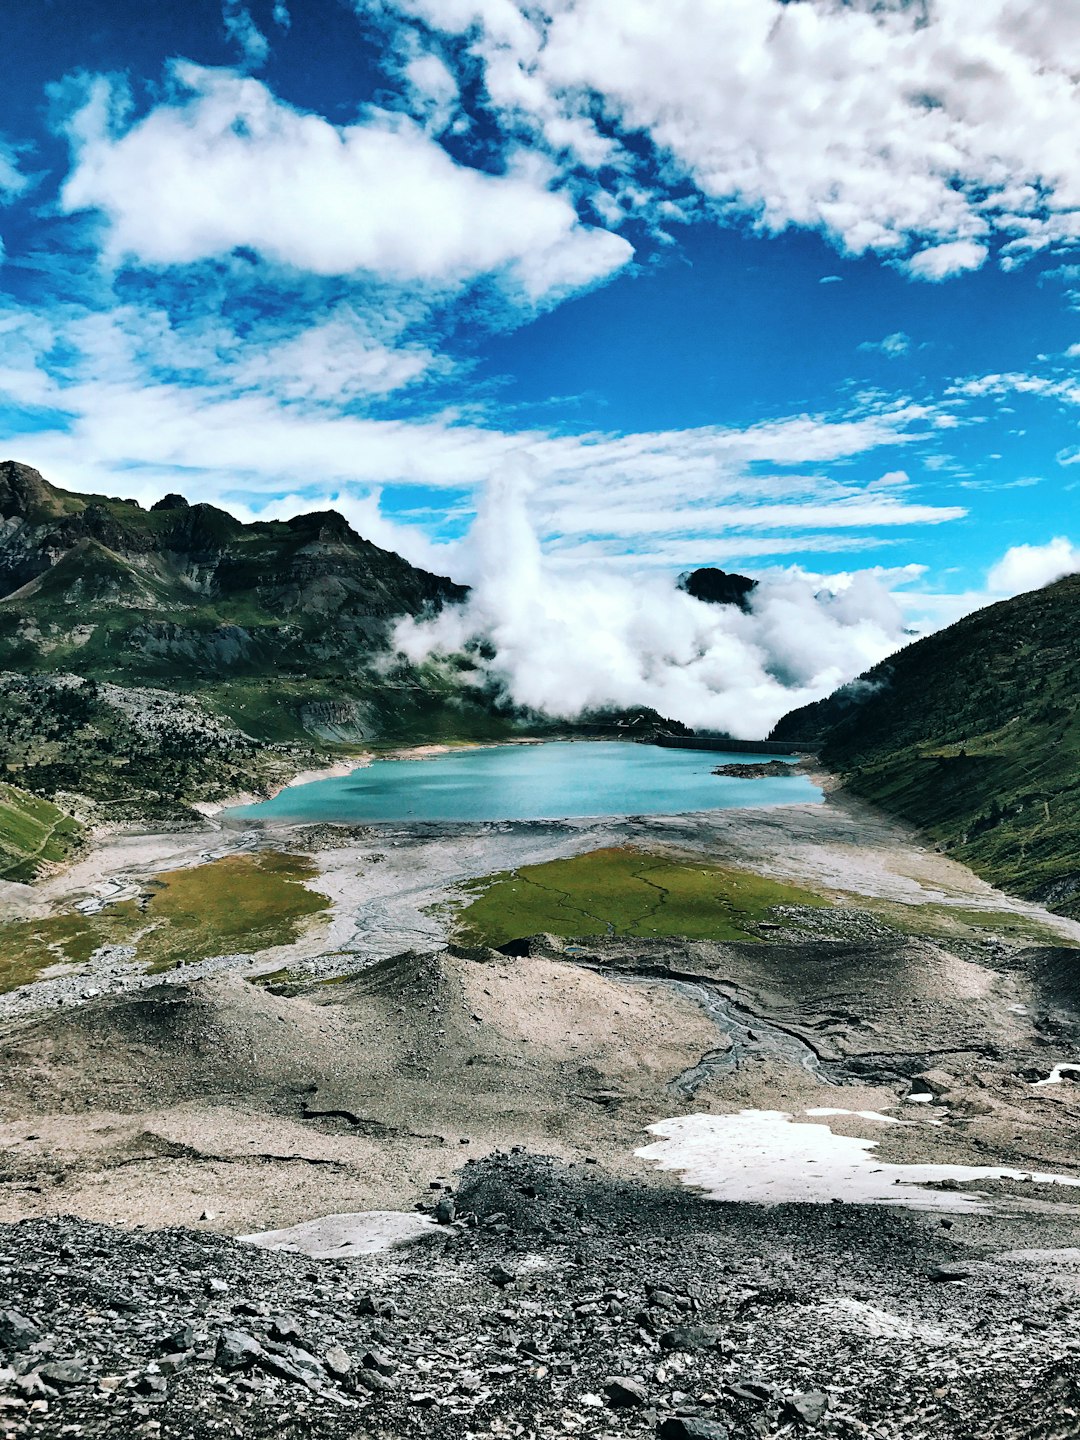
341,1237
767,1157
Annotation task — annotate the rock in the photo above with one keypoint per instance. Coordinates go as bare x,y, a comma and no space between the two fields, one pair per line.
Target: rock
378,1360
178,1341
336,1363
236,1350
623,1392
690,1337
173,1364
63,1374
16,1331
808,1408
949,1272
691,1427
216,1286
373,1380
446,1211
208,1215
154,1387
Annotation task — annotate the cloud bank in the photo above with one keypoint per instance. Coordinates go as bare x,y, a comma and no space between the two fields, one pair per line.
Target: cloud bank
1029,567
918,129
585,637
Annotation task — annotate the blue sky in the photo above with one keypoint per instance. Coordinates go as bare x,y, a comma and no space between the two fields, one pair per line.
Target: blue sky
736,282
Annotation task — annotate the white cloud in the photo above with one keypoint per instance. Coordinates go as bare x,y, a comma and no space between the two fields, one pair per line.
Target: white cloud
589,637
225,165
939,262
292,411
336,359
894,127
12,180
433,90
1029,567
892,347
252,44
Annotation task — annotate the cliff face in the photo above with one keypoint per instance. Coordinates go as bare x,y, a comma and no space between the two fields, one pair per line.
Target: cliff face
188,598
973,734
191,555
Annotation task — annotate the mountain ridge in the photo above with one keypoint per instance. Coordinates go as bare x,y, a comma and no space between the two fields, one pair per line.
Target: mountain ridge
973,734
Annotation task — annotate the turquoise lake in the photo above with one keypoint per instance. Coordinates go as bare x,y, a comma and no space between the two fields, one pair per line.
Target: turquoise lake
553,781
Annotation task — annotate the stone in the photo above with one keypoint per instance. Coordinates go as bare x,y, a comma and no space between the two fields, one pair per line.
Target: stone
16,1331
623,1392
691,1427
337,1363
949,1272
690,1337
63,1374
374,1359
808,1408
216,1286
236,1350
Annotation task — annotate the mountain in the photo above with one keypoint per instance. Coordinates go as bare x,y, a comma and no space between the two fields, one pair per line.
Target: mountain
151,658
188,598
718,587
973,734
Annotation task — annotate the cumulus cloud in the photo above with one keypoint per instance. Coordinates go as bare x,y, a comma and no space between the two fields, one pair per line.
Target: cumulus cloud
568,640
1029,567
224,165
917,131
939,262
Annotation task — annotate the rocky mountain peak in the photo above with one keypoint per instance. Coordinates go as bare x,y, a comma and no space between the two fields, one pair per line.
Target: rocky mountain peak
718,587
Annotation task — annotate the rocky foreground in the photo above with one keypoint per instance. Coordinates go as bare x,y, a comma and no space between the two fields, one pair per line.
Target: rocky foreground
553,1302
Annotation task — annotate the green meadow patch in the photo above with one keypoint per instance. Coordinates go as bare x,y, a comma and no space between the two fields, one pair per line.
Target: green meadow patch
33,832
623,892
237,905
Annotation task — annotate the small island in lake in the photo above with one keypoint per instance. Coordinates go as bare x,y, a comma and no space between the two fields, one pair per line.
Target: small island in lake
756,770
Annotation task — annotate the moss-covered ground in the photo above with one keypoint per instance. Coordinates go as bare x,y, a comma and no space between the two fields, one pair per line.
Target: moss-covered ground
623,891
237,905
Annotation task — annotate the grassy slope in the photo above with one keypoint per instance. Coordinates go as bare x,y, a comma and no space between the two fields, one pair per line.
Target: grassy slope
238,905
622,892
973,734
33,832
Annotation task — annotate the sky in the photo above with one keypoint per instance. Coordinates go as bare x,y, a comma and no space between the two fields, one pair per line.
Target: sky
786,286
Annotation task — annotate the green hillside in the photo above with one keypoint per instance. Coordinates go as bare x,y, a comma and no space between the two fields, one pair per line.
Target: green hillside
33,833
973,734
149,658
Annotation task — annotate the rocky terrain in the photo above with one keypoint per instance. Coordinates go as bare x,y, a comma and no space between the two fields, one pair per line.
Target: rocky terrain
552,1302
591,1291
